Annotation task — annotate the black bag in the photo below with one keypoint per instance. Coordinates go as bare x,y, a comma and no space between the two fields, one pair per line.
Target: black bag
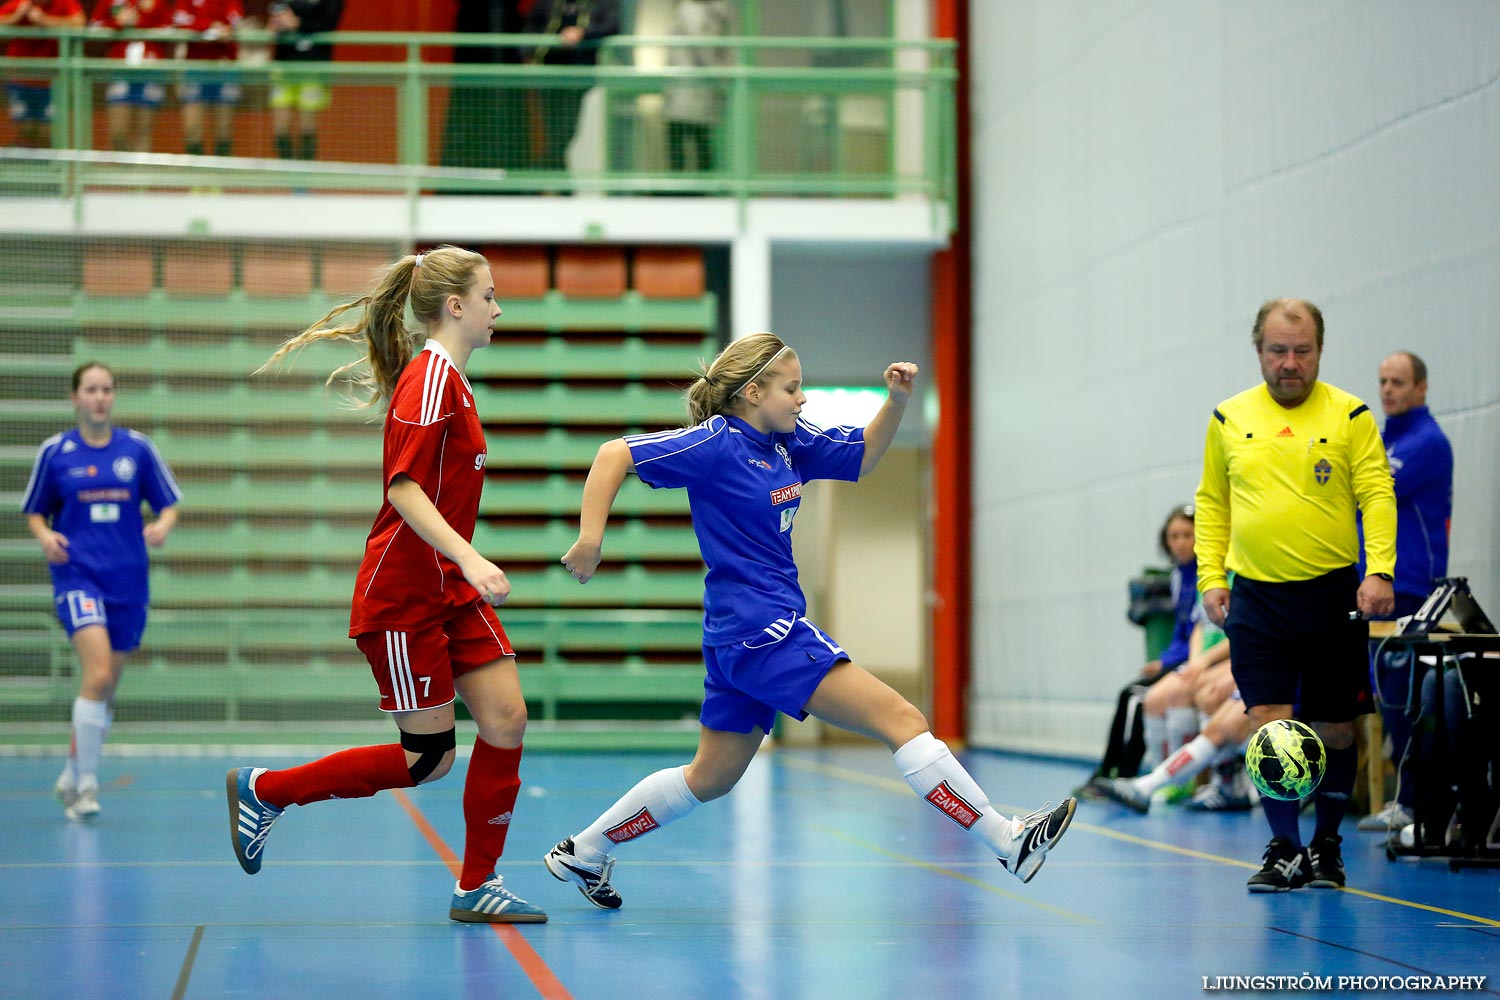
1150,596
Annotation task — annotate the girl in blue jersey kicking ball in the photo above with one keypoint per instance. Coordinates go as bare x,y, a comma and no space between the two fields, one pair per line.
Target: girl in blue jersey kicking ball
743,460
83,506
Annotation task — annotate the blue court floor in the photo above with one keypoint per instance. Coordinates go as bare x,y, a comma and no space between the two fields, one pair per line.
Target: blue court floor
821,876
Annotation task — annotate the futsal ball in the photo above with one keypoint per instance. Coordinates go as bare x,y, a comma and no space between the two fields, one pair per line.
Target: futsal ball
1286,760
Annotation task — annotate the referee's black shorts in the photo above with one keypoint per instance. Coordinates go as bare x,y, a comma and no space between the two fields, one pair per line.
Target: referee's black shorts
1294,644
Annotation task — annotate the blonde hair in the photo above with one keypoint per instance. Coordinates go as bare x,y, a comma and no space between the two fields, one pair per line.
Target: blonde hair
425,280
745,362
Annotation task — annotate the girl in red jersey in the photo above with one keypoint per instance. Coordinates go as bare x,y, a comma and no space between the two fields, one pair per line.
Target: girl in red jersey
133,101
422,611
215,21
30,99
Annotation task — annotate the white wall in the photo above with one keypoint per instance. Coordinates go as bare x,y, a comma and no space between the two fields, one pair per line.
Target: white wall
852,310
1146,173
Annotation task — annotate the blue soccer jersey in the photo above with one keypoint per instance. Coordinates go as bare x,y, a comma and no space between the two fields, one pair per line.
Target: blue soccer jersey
745,488
93,497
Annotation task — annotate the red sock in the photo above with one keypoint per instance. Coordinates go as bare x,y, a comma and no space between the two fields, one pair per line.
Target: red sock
489,797
348,774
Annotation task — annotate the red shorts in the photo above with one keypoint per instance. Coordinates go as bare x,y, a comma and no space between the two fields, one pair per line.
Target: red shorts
415,668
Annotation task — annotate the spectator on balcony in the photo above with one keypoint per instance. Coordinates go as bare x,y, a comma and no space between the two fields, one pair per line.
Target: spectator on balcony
133,100
30,99
577,25
302,89
215,21
693,111
485,100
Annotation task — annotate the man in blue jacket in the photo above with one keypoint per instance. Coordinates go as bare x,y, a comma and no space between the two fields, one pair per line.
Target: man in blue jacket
1422,463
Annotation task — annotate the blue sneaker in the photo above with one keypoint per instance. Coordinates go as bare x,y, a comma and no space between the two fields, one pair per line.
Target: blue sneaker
492,903
1040,831
250,819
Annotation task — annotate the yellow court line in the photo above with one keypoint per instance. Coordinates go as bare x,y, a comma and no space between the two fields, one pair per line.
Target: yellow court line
960,876
901,788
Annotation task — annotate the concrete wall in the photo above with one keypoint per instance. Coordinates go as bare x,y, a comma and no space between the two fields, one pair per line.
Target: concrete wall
1146,173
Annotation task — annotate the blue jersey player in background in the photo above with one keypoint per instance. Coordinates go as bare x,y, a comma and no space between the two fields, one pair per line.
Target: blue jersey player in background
743,460
83,504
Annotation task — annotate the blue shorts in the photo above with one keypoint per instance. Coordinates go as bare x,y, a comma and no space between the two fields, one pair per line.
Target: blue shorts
126,623
30,102
1294,644
778,671
204,89
142,93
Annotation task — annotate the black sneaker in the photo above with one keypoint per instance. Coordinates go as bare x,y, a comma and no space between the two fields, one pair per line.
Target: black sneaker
1039,832
592,880
1125,792
1286,867
1327,868
1089,790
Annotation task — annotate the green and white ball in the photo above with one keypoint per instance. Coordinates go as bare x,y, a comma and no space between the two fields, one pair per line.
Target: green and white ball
1285,759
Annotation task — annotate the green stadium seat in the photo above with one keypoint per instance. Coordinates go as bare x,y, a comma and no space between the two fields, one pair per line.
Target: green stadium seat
116,270
277,270
628,541
628,313
560,358
224,358
318,541
556,448
559,404
240,493
240,448
590,272
521,272
559,496
236,404
669,272
350,270
280,476
320,587
197,270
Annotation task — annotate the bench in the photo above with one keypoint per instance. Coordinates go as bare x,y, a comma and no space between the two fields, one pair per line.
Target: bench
241,664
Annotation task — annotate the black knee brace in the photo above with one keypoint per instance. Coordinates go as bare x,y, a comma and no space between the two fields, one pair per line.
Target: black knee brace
430,747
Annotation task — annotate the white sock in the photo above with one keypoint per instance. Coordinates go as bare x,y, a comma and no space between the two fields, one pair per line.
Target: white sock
656,800
90,722
932,771
1155,728
1179,767
1182,726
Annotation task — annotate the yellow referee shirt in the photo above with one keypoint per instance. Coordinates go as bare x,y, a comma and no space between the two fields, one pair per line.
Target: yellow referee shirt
1280,487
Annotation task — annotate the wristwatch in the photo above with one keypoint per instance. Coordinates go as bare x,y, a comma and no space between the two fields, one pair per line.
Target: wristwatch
1385,576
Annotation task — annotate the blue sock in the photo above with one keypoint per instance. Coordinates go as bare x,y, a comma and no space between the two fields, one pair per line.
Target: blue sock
1282,816
1331,800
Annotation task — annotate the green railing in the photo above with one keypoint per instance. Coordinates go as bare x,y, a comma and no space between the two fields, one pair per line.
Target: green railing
799,117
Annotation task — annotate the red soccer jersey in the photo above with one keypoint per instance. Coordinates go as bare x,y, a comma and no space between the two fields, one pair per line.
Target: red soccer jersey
37,48
149,14
433,435
217,18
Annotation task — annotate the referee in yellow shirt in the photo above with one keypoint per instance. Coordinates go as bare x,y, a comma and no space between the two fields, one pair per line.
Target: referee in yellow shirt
1285,466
